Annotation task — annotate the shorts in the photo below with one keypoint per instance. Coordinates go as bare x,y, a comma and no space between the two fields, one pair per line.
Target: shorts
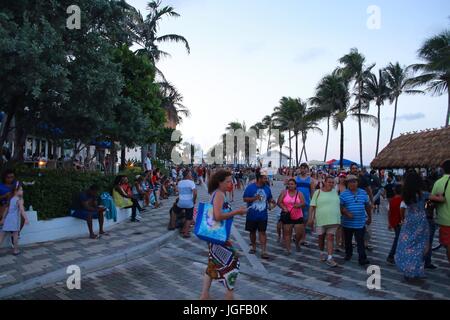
256,225
188,212
328,229
287,220
84,214
444,235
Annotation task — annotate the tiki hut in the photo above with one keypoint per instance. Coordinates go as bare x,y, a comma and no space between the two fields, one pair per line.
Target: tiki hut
423,149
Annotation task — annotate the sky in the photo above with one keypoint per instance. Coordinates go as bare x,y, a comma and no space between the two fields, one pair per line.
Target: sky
247,54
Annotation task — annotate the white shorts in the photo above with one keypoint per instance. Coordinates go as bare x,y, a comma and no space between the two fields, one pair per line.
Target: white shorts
329,229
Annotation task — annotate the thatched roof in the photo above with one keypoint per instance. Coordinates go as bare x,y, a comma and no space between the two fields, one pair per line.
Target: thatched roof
428,148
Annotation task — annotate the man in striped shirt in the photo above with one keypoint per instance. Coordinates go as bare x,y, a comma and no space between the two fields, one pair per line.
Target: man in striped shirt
356,209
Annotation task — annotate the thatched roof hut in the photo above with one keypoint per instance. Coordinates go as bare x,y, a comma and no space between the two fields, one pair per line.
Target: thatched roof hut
428,148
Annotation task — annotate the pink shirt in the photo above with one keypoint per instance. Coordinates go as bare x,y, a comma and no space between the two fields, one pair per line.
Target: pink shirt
289,201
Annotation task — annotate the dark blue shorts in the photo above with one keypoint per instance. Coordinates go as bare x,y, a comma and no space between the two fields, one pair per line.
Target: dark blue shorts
84,214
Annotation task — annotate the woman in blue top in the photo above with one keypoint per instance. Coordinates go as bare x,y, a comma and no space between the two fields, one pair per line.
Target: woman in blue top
223,262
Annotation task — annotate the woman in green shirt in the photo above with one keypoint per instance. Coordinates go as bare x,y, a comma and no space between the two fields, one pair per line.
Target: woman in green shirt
325,210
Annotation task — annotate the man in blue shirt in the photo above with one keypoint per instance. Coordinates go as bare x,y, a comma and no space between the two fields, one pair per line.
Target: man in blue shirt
257,196
357,212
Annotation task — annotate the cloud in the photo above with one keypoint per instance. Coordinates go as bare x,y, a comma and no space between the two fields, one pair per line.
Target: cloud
409,117
310,54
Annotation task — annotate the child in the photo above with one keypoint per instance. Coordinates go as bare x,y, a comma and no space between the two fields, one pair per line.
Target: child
395,220
11,220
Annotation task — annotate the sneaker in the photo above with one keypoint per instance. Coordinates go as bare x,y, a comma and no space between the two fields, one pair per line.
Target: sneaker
390,260
430,266
323,256
331,263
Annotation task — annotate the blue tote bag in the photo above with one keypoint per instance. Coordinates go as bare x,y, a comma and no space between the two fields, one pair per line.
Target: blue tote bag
208,229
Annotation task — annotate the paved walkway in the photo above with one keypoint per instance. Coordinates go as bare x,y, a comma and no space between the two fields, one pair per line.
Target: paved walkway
175,271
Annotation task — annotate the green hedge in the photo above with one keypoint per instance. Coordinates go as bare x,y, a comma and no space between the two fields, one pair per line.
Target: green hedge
53,190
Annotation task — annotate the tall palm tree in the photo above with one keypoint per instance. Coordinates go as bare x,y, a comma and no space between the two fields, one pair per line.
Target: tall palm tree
398,81
282,118
146,32
268,123
435,71
354,69
323,106
377,90
172,102
259,128
232,127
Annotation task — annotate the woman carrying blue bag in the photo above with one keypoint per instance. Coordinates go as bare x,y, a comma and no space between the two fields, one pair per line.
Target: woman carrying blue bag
223,261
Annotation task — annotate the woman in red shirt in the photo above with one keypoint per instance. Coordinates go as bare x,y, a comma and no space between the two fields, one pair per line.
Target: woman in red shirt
395,220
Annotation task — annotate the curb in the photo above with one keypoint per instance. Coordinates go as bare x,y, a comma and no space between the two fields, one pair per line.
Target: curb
89,266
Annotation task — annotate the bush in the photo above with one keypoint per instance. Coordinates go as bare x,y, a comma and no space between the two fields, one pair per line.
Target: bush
52,193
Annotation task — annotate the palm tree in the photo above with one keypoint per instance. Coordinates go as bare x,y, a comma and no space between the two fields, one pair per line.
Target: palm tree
334,92
323,106
282,118
146,32
354,69
377,90
268,123
171,101
259,128
398,81
232,127
435,71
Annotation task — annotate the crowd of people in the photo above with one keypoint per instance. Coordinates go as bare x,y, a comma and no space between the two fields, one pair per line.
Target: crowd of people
339,206
336,206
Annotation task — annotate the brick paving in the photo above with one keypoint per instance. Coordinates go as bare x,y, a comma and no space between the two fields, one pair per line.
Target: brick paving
176,270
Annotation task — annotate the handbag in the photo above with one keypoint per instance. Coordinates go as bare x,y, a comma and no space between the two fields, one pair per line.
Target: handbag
207,228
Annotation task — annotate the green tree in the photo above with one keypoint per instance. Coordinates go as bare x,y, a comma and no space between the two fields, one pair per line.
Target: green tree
398,81
354,69
435,69
376,90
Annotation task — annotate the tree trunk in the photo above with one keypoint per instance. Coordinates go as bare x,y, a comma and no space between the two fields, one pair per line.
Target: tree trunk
304,146
268,140
296,149
448,107
378,130
290,150
341,156
359,126
328,136
395,118
5,132
19,143
123,153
